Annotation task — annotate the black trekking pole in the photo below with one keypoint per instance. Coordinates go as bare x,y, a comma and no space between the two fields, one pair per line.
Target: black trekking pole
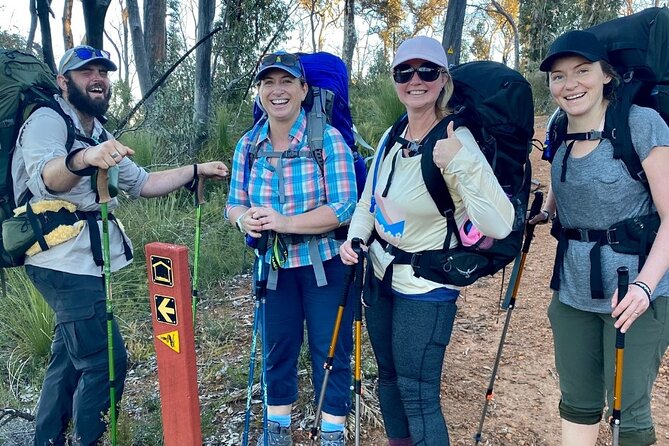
259,289
514,283
104,198
199,201
327,365
623,284
357,317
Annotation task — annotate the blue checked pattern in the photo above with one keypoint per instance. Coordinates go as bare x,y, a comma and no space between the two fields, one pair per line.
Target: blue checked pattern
305,187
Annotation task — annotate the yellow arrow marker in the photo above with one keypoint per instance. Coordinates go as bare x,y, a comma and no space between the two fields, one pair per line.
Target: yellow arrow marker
450,50
167,309
170,339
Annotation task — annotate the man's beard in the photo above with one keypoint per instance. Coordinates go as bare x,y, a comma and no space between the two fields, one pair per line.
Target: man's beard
80,100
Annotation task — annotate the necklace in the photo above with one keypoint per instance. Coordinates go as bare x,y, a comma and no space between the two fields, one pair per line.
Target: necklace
414,143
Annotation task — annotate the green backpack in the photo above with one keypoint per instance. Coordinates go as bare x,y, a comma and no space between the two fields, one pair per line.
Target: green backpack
26,84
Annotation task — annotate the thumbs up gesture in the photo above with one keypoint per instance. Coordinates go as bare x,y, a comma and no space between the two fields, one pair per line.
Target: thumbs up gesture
445,149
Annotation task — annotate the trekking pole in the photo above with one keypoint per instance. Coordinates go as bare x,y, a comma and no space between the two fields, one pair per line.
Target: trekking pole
262,245
261,289
623,283
514,282
104,198
357,317
327,365
199,201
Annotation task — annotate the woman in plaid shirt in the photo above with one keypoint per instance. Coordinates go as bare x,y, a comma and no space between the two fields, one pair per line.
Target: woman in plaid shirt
283,190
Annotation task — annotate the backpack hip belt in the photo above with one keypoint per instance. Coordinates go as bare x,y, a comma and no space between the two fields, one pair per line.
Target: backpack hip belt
632,236
445,266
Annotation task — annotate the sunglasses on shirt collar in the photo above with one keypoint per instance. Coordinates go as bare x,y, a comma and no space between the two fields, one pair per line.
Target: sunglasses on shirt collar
428,72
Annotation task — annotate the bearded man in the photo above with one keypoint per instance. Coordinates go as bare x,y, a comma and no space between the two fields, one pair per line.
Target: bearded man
69,275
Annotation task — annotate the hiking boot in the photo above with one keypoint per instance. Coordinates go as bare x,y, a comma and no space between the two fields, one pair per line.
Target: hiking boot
277,435
332,438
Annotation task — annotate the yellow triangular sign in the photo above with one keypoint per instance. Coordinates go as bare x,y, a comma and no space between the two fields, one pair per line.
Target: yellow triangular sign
170,339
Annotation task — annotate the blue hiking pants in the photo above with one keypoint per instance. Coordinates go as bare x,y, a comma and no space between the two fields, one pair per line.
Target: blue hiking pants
296,300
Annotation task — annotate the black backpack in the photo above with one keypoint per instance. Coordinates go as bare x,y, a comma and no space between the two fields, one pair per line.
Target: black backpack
495,103
26,85
638,49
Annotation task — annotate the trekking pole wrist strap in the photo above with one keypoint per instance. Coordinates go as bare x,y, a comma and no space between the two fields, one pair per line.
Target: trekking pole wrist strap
69,159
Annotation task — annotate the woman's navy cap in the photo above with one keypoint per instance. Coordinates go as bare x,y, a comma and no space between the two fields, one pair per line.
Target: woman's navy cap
581,43
294,69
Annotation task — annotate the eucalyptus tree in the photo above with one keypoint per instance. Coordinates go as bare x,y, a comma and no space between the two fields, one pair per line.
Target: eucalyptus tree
95,12
541,21
249,29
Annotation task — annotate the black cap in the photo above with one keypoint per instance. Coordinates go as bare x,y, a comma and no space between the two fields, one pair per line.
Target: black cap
580,43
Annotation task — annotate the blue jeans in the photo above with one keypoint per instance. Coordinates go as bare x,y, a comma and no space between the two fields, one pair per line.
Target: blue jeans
296,300
409,338
76,383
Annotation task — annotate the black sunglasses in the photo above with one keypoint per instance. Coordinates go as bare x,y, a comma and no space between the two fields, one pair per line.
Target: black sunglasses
286,59
427,72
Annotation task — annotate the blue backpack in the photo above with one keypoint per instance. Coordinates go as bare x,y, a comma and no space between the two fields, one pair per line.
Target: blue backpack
326,102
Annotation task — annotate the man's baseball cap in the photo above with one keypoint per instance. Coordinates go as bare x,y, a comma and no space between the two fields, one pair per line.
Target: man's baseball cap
580,43
421,47
77,57
281,60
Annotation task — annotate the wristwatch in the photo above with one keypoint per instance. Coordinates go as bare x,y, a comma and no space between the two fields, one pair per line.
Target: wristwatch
239,223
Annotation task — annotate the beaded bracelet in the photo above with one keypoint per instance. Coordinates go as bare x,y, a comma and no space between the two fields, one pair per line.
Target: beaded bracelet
644,287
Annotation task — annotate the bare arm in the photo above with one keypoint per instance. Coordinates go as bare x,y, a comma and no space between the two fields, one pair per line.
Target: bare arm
60,178
635,301
166,181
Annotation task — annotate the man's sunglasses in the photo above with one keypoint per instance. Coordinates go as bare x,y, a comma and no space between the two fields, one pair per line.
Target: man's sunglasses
286,59
427,72
87,52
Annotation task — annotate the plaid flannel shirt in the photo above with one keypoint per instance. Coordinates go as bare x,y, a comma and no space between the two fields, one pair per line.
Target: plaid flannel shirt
305,187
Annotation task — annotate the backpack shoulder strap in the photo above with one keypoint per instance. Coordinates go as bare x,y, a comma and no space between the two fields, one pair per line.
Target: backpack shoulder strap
321,108
397,128
72,133
432,176
616,125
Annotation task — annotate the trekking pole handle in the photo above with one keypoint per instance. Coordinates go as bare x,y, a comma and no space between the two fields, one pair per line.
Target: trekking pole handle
355,245
102,186
537,203
263,242
623,285
199,193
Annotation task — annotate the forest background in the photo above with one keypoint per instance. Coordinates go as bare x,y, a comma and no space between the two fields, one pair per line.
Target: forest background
198,113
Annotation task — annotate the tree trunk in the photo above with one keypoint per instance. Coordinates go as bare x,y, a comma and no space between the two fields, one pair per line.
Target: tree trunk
452,39
45,29
350,35
68,40
33,27
94,20
205,18
516,40
138,48
155,34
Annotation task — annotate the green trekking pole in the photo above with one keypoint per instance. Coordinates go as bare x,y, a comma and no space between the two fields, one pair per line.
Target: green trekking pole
623,284
104,198
199,201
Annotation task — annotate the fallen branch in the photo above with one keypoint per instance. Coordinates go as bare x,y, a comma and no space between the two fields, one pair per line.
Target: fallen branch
7,415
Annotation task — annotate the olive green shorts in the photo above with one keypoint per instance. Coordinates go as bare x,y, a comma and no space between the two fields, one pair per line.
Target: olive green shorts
585,360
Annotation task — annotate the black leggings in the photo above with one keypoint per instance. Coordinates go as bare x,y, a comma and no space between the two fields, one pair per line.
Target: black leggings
409,338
